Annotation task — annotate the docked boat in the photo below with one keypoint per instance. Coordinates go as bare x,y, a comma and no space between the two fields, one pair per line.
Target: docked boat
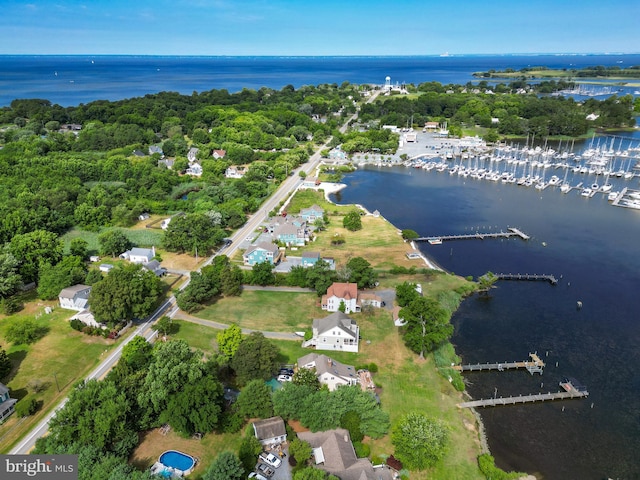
606,187
613,195
586,192
434,241
565,187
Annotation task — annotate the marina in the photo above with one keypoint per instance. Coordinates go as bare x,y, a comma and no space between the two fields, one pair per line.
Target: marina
535,365
570,391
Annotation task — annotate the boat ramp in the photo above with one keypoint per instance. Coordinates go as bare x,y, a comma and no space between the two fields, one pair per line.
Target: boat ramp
511,232
535,365
570,391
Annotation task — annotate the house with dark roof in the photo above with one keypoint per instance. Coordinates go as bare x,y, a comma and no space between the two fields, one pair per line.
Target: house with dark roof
335,332
75,298
309,259
333,452
270,431
260,253
329,372
7,404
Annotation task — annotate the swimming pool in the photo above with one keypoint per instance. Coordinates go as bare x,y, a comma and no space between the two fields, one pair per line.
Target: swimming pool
180,462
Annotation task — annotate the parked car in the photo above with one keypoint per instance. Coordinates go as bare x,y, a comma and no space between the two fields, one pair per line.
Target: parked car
266,470
271,459
284,378
286,371
257,476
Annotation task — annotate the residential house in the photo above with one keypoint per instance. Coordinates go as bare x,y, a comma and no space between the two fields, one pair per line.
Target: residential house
234,171
154,266
369,298
333,452
144,216
195,170
310,182
270,431
138,153
7,404
105,267
156,149
291,235
312,213
167,162
309,259
338,155
339,293
261,252
75,298
335,332
217,154
431,126
70,127
139,255
192,154
329,372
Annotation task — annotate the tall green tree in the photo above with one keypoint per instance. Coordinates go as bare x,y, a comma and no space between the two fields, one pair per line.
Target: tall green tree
306,376
5,364
361,272
300,450
33,248
71,270
427,325
419,441
352,221
405,293
226,466
255,400
114,242
10,279
229,340
127,293
194,233
262,274
256,358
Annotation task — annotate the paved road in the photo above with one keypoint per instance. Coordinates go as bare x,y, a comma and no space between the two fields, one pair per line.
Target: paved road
286,188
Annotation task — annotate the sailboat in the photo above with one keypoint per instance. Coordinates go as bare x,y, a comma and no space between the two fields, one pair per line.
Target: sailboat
565,187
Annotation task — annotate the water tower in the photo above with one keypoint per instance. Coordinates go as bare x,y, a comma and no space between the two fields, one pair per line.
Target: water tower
387,84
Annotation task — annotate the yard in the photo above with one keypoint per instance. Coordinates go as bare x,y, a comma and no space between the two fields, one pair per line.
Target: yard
59,359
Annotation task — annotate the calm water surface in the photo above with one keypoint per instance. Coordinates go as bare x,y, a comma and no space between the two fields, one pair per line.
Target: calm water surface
594,248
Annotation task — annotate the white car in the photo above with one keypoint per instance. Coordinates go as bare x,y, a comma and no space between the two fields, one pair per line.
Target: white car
284,378
271,459
257,476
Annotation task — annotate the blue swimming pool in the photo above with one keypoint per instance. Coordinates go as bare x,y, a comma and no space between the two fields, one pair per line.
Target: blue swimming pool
178,460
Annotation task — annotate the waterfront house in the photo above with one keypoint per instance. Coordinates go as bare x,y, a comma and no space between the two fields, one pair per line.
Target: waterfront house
262,252
312,213
75,298
339,293
270,431
7,404
310,182
329,372
333,452
335,332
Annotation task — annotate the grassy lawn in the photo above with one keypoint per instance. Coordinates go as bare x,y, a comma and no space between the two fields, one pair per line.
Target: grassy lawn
59,359
265,310
140,237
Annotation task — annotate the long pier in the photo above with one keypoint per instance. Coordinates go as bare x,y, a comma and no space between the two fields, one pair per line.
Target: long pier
570,391
528,276
511,232
536,365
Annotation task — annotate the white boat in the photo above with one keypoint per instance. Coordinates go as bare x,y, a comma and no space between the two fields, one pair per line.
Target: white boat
606,187
613,195
565,187
586,192
435,241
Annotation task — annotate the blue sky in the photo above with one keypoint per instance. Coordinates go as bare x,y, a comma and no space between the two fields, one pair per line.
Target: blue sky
318,27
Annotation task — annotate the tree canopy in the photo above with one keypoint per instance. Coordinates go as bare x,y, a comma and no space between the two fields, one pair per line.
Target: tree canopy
255,358
419,441
427,325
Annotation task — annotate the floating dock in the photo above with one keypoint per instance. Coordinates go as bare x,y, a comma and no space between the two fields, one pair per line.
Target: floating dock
536,365
511,232
570,391
528,276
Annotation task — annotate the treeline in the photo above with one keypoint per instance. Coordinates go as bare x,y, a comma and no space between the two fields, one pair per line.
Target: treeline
516,114
592,71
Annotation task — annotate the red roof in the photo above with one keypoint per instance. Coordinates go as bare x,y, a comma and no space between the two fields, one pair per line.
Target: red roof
347,291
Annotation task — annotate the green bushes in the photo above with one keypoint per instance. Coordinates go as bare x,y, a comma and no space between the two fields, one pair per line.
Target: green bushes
26,407
487,466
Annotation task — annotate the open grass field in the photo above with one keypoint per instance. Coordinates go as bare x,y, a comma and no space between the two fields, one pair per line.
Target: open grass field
140,237
59,359
266,310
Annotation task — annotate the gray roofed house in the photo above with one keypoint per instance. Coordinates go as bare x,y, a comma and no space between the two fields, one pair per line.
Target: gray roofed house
192,154
329,372
335,332
139,255
333,452
270,431
75,297
309,259
155,267
7,404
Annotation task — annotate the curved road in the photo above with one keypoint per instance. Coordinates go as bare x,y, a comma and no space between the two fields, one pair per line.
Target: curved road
287,187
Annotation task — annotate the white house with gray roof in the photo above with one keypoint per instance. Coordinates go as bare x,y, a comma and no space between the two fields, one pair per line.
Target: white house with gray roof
75,298
329,372
7,404
335,332
270,431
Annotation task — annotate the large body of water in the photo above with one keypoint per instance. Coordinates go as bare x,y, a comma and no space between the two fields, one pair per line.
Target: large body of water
592,245
71,80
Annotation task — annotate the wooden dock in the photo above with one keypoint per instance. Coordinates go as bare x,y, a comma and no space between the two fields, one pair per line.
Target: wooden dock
536,365
528,276
569,392
511,232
